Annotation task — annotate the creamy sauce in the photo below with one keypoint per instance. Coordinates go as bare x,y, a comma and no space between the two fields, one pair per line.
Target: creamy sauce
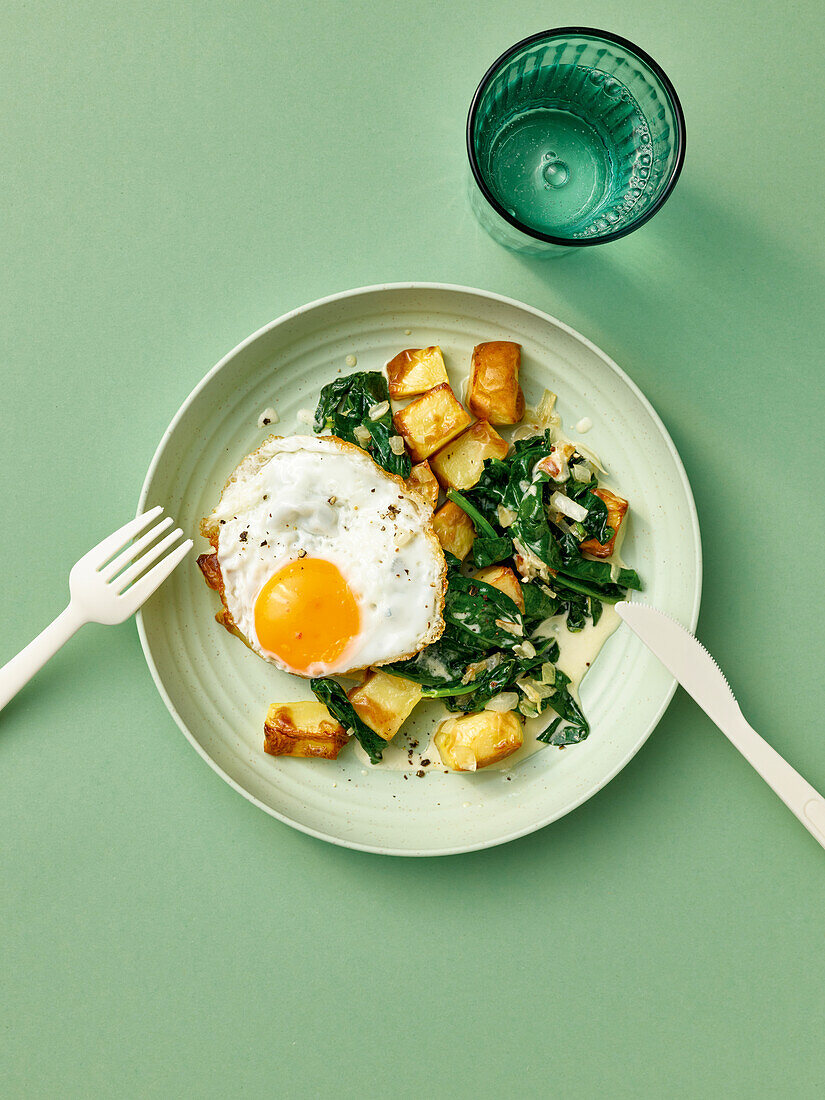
267,417
351,361
584,425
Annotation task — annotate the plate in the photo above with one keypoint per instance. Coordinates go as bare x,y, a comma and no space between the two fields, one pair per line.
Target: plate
218,691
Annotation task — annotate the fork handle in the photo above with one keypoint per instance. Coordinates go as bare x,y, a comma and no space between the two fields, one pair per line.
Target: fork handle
19,670
803,800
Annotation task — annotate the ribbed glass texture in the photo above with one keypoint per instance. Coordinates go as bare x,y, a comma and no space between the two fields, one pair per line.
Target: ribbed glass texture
574,139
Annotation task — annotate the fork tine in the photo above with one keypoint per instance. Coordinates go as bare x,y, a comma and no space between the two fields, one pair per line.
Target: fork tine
100,554
131,552
121,582
142,589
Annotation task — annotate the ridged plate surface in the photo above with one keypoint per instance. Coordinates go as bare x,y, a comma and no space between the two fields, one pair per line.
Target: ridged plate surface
218,691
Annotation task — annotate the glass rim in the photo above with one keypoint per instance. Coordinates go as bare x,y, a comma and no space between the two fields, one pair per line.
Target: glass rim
658,72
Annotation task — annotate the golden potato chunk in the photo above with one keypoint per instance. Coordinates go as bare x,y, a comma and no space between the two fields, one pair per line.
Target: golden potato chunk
493,391
478,740
415,371
459,464
303,729
504,579
422,480
616,508
455,530
384,702
431,421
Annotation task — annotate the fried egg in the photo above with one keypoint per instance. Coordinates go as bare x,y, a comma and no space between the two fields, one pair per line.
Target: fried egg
328,563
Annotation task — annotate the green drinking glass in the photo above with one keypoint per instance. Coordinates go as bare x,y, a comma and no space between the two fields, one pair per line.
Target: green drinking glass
576,137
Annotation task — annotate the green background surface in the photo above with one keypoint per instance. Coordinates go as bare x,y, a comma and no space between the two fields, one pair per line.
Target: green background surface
176,175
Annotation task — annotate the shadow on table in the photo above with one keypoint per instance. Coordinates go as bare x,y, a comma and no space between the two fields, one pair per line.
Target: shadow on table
726,266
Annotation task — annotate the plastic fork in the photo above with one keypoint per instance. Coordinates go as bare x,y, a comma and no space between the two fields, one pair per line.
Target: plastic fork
107,585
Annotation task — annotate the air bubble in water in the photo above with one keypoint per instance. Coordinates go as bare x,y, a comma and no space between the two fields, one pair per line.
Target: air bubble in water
556,173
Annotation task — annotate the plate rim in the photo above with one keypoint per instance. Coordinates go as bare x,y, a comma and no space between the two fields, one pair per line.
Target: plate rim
543,316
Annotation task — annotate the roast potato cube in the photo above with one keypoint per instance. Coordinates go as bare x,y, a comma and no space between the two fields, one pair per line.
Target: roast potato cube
616,508
478,740
422,480
384,701
493,391
504,579
455,530
303,729
431,421
415,371
459,464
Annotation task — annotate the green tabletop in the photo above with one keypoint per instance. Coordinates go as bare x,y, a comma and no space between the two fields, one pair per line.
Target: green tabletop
175,176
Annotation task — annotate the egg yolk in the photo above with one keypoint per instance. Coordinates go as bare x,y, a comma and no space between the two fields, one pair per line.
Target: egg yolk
306,614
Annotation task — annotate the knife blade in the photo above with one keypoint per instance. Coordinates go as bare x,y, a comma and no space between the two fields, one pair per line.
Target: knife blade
685,657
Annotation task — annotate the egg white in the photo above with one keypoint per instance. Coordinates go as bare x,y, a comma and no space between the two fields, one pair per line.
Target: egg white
324,498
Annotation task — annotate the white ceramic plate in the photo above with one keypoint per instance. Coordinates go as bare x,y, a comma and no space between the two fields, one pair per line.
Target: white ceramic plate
218,691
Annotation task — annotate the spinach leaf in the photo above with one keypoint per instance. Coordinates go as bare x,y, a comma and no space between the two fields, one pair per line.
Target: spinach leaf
505,481
538,605
577,608
565,586
490,551
488,491
531,527
596,575
484,687
503,677
547,649
440,665
562,702
333,695
471,608
628,578
488,547
596,608
344,405
525,454
576,489
595,522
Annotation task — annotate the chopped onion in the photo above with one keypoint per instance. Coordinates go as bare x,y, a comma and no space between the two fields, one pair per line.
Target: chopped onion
362,435
546,413
581,472
511,628
504,701
525,431
506,516
377,411
534,690
396,444
548,673
568,507
493,661
590,456
528,564
529,689
525,650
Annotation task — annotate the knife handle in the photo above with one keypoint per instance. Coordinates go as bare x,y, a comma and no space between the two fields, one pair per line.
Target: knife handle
803,800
